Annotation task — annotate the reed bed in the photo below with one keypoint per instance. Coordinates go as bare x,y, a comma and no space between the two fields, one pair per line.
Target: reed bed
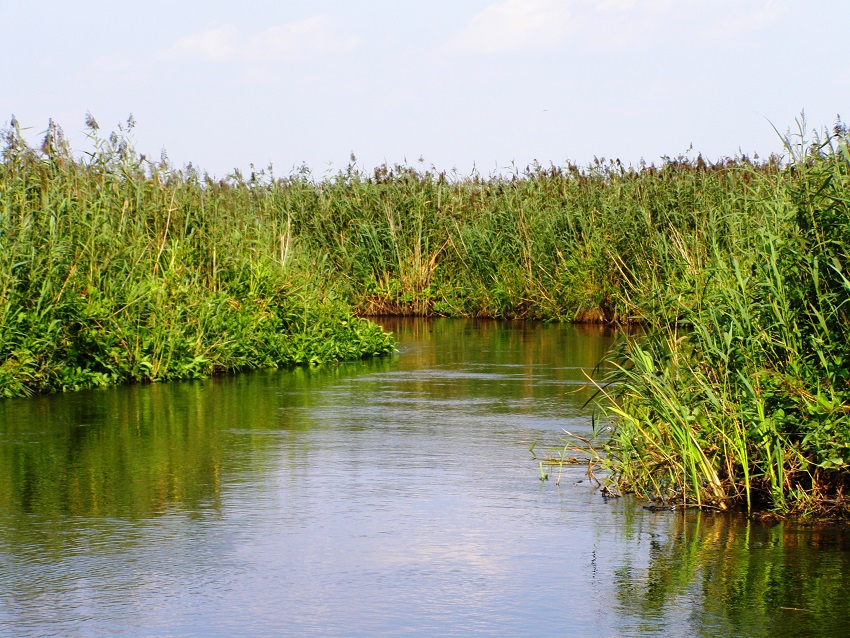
737,394
118,268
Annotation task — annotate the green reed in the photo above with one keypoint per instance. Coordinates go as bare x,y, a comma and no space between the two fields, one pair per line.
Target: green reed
542,244
114,268
738,391
117,268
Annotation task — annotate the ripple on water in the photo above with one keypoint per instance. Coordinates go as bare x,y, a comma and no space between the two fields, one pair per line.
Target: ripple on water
390,497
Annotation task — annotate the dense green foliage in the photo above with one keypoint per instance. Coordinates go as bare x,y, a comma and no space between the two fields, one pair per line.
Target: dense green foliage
115,268
551,243
739,391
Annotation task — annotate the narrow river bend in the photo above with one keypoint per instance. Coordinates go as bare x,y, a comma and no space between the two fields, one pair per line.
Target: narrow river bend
390,497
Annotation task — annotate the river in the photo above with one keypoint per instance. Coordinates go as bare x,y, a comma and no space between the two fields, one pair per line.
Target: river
390,497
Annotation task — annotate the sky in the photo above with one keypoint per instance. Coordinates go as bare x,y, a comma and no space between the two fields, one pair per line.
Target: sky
458,84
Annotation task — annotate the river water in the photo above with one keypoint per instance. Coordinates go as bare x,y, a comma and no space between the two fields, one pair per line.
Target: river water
390,497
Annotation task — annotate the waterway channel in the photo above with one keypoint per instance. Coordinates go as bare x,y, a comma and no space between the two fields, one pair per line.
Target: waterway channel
388,497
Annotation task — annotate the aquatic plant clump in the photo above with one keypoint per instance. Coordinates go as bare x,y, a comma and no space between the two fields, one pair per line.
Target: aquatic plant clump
116,269
739,393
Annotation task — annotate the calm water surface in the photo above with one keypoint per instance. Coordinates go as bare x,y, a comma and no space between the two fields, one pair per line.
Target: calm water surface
390,497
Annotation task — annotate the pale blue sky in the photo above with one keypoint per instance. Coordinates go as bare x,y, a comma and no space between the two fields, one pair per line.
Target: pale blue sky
224,84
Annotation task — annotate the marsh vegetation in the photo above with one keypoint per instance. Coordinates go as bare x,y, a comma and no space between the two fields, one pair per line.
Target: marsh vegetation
117,268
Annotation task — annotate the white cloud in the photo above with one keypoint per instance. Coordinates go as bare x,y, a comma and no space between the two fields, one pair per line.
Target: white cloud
642,6
215,45
613,5
515,26
280,43
745,19
614,26
609,26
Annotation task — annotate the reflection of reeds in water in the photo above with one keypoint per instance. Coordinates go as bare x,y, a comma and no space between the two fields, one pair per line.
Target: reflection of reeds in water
741,578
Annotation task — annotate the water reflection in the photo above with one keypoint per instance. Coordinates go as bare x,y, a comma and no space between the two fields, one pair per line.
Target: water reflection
384,497
733,577
139,451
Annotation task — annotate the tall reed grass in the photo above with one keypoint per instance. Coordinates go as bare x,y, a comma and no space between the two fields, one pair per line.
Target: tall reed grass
547,243
116,268
738,392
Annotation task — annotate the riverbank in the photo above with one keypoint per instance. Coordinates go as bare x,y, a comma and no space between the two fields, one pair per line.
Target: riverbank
118,268
738,392
115,269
